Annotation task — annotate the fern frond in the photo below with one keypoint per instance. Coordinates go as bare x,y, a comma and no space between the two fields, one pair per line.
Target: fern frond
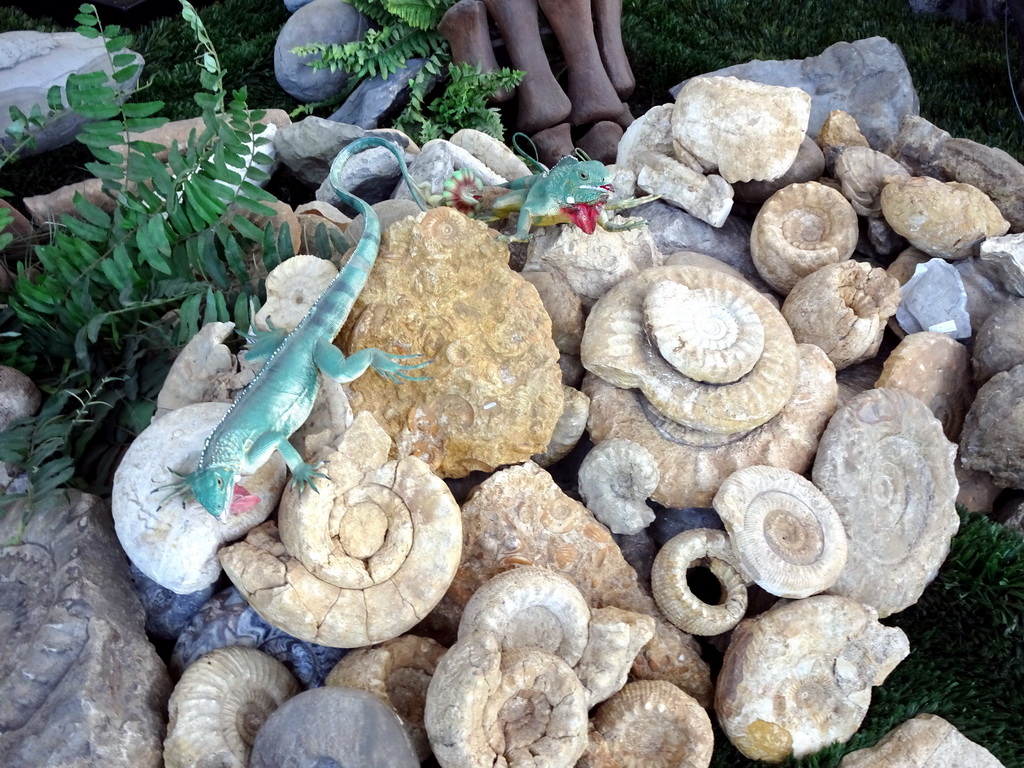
421,14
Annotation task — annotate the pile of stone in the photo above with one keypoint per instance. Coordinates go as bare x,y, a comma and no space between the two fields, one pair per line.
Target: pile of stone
788,378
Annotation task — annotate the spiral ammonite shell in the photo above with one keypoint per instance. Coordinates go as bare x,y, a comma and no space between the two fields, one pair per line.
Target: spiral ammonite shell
788,537
708,334
654,724
616,346
800,228
693,549
220,703
887,467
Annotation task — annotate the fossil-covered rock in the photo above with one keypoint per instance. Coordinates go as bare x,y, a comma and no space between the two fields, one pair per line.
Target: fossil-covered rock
842,308
799,229
886,466
80,684
397,672
798,677
519,516
808,166
174,541
639,335
219,704
862,173
993,436
362,560
441,288
787,536
925,741
692,464
944,219
936,370
747,130
999,345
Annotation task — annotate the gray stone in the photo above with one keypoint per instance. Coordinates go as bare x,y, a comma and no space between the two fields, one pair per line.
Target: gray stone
377,100
675,230
371,175
167,613
306,148
332,726
31,62
294,5
993,436
999,345
80,685
1004,256
868,79
934,299
321,21
435,164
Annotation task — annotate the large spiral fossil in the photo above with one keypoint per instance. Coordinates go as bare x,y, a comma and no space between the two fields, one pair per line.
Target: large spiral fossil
488,707
788,537
729,372
220,703
800,228
362,560
886,466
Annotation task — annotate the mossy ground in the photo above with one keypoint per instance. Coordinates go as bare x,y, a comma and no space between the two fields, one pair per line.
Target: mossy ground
966,633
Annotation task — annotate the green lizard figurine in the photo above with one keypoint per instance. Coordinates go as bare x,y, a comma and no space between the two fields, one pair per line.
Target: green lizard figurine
576,191
280,397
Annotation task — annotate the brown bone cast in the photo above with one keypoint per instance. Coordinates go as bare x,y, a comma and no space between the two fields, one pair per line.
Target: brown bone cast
464,26
608,27
542,102
553,143
592,94
602,141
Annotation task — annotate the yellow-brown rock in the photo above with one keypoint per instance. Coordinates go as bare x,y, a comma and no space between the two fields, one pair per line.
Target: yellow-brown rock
840,129
936,370
944,219
519,516
441,287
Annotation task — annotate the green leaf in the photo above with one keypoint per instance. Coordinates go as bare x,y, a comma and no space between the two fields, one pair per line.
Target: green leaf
90,211
122,76
246,228
123,59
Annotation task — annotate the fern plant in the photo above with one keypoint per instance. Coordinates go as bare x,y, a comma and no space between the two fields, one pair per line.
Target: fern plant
407,29
102,306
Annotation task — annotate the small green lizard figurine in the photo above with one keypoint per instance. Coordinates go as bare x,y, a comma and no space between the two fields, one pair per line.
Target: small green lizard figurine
280,397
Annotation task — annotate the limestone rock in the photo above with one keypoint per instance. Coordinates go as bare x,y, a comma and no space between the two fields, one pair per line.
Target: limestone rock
519,516
591,264
926,741
930,151
31,62
867,78
983,293
80,684
993,436
175,541
839,131
863,173
1004,256
437,161
441,288
798,678
320,21
709,198
808,166
948,220
999,345
204,371
692,464
745,129
19,396
651,132
491,152
937,371
886,466
564,308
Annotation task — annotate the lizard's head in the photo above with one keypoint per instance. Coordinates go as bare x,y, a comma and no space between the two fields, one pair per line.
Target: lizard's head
585,188
214,488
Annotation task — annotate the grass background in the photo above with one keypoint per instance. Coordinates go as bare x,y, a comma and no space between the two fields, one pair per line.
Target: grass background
966,635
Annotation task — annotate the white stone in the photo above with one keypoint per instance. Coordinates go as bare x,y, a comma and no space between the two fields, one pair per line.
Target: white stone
708,198
1005,258
749,131
174,541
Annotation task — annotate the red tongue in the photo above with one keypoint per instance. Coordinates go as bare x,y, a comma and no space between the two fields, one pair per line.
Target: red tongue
584,216
243,501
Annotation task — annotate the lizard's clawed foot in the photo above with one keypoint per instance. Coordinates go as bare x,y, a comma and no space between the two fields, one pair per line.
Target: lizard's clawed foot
389,366
303,475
